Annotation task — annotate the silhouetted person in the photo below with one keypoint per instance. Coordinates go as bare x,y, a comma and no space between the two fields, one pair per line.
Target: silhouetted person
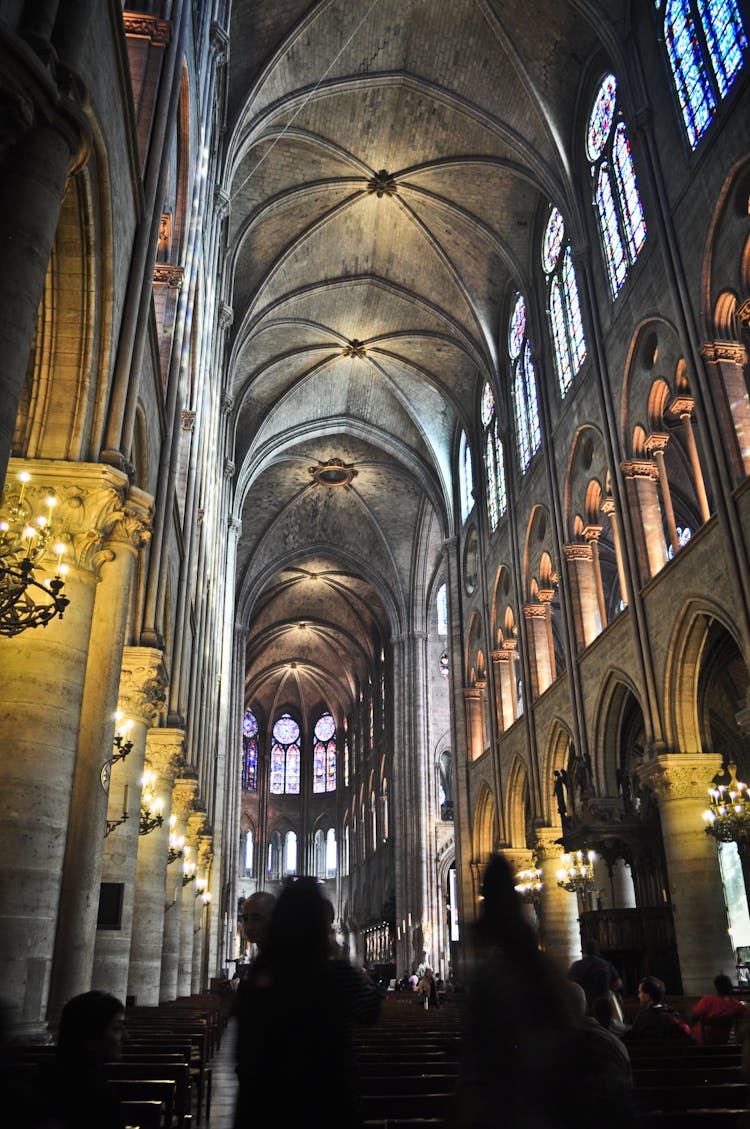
597,976
523,1065
654,1022
77,1092
713,1017
256,914
296,1061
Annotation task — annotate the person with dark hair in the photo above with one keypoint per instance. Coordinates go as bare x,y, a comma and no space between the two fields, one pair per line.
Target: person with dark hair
597,976
523,1060
713,1017
296,1052
77,1092
654,1021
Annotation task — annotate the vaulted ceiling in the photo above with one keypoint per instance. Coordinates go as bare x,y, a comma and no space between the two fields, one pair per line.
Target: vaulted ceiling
388,164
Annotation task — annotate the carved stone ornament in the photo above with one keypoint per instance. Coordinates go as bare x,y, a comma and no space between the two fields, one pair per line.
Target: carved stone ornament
724,352
184,794
742,314
680,776
164,752
333,472
225,315
682,406
187,419
354,348
576,551
640,468
538,611
548,847
143,684
382,184
142,26
165,274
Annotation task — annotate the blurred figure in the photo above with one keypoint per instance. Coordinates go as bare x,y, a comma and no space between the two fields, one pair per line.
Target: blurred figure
256,913
597,976
604,1014
427,989
713,1017
523,1064
78,1094
653,1021
606,1058
296,1062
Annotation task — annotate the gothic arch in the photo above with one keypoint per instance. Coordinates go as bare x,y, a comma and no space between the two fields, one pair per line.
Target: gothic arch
618,703
485,825
555,759
517,803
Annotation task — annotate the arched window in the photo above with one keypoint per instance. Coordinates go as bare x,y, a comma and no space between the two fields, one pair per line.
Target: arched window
274,856
528,429
564,304
494,460
706,45
250,752
385,807
285,757
346,753
324,754
319,854
441,602
249,845
330,859
465,477
373,821
290,852
622,225
345,851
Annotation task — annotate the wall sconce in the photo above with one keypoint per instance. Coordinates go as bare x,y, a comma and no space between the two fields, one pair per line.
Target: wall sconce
188,868
113,823
151,805
121,748
200,887
26,539
176,843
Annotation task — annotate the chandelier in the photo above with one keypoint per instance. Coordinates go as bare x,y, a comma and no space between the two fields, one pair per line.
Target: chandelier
728,817
576,872
27,540
529,885
151,805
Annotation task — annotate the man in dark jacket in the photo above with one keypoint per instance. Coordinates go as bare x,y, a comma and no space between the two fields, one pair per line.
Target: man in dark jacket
654,1021
596,975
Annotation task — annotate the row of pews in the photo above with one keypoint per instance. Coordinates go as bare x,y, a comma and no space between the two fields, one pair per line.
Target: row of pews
163,1078
409,1067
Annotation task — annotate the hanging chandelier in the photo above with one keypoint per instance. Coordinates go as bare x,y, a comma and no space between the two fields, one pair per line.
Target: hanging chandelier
529,884
728,817
576,872
27,542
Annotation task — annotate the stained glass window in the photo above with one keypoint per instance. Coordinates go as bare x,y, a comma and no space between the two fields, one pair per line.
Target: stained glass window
564,305
488,405
331,767
495,473
442,610
324,758
622,224
285,757
517,330
491,482
502,492
444,665
466,478
522,429
688,70
532,405
726,38
250,752
319,767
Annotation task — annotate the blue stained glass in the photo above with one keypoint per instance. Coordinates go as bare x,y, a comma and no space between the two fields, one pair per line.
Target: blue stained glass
522,427
602,116
517,328
292,770
249,724
319,767
573,310
331,767
688,71
488,404
286,730
445,665
614,252
346,762
277,769
553,240
532,405
491,483
630,200
249,752
726,39
502,493
560,337
325,727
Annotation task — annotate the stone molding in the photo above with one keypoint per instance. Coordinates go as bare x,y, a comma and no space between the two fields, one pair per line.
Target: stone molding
547,846
576,551
143,684
165,274
719,352
680,776
225,315
640,468
682,405
164,752
538,611
140,25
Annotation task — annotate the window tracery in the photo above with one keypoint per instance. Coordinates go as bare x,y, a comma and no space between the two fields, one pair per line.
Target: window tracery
465,477
564,303
528,428
324,754
250,752
285,757
494,460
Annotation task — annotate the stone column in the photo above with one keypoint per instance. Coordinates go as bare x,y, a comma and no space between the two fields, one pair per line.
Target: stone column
641,477
474,721
558,910
58,690
655,445
184,792
542,656
504,662
521,858
726,364
608,507
195,822
680,782
586,607
682,406
623,888
164,749
203,910
143,682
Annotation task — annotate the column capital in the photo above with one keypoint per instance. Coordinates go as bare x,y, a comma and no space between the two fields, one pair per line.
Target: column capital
164,752
680,776
225,315
143,683
656,442
640,468
742,314
717,352
472,693
196,821
547,846
139,25
205,849
184,794
591,533
608,506
682,405
535,611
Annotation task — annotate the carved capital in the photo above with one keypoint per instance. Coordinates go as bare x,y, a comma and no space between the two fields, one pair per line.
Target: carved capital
234,525
472,694
184,794
227,403
167,275
742,314
143,683
164,752
680,776
221,202
195,823
535,611
608,507
682,406
724,352
187,419
218,41
138,25
225,315
576,551
656,442
228,468
133,526
547,847
205,850
640,468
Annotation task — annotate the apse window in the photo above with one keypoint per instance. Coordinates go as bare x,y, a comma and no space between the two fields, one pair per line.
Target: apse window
324,754
285,757
564,304
494,460
525,402
622,225
706,47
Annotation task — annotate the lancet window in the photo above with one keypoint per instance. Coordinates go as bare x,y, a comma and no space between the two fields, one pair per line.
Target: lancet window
564,304
528,428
